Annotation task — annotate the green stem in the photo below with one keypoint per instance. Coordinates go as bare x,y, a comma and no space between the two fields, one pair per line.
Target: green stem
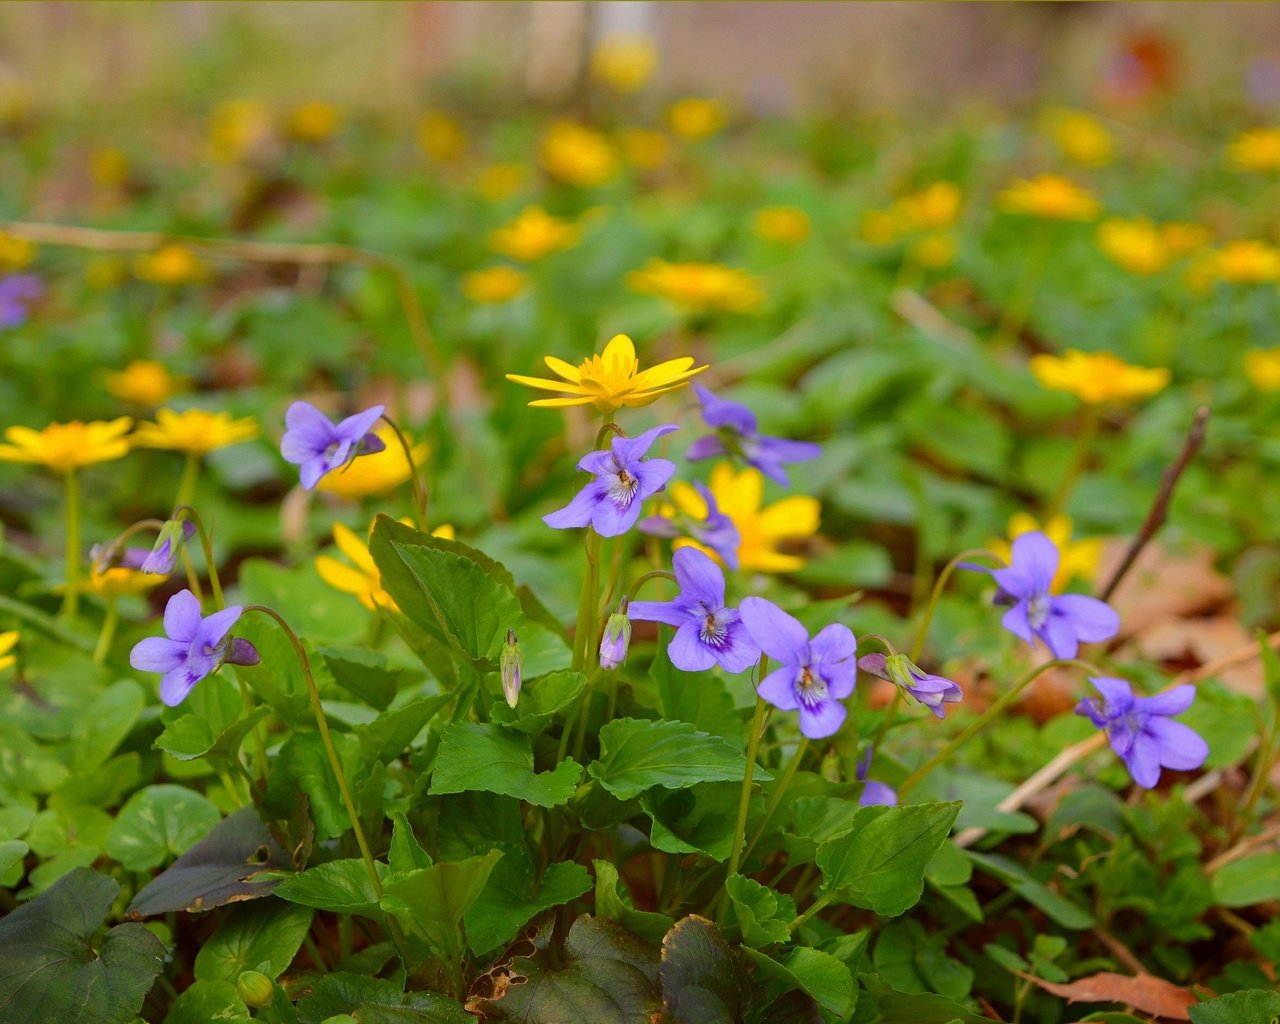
187,485
656,574
109,554
109,621
744,798
1086,432
71,598
584,632
778,794
419,491
819,904
206,545
259,744
193,581
984,719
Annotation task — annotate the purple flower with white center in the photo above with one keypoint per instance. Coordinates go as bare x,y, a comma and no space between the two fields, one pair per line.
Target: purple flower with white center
624,478
815,674
930,690
737,434
1140,731
874,794
1061,621
707,633
319,446
163,556
193,647
716,531
18,293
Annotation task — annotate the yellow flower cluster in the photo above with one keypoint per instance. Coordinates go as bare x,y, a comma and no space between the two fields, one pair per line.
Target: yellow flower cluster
441,137
15,252
143,382
172,265
1246,261
63,447
239,130
494,284
624,63
1256,150
1077,559
1081,138
1050,196
697,118
698,287
1262,367
1097,377
314,121
644,148
788,225
195,431
577,154
928,214
1143,247
534,234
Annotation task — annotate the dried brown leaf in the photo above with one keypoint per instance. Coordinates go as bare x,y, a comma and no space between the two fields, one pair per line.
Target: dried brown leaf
1143,992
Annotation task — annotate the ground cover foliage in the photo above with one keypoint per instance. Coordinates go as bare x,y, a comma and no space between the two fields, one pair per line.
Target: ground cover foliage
869,620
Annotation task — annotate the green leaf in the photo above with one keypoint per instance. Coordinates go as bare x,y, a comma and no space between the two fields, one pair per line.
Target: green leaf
342,886
375,1001
267,932
12,853
364,674
636,755
405,853
607,976
208,1002
303,765
1247,1007
540,701
389,735
763,914
474,756
105,723
695,820
701,981
312,607
431,901
51,970
880,864
1014,875
193,736
614,902
511,899
1247,881
699,698
159,822
818,974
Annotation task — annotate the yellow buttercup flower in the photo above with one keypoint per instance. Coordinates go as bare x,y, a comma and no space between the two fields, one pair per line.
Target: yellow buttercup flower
1137,245
935,250
1076,559
739,495
577,154
494,284
1246,261
63,447
109,168
1081,137
624,62
934,207
195,431
171,265
610,380
8,641
787,224
361,578
1262,367
1096,377
144,382
697,118
314,121
377,473
239,129
119,581
1050,196
1256,150
534,234
883,227
500,181
644,148
698,287
441,137
15,252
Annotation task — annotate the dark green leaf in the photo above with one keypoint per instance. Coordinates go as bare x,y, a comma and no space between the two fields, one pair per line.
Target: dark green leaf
489,759
405,853
264,932
431,901
104,724
511,898
1249,880
540,701
302,765
699,698
387,736
342,886
819,974
159,822
763,914
699,819
1253,1006
375,1001
1060,909
364,674
614,902
206,1002
636,755
701,981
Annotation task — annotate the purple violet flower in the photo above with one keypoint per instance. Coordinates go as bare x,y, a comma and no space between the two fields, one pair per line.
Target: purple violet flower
18,293
815,674
624,478
1061,621
192,648
1140,731
874,794
615,640
930,690
716,531
163,556
737,434
707,633
319,446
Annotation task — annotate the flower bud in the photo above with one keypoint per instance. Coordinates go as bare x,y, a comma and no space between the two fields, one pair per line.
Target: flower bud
616,639
164,554
510,663
255,989
241,652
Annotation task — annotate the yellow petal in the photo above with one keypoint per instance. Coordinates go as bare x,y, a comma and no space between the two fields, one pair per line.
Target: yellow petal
566,370
560,403
545,385
341,577
796,516
8,640
619,356
688,500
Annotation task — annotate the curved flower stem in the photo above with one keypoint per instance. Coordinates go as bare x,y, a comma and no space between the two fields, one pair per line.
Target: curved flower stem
744,798
206,545
137,527
71,599
656,574
187,485
819,904
322,724
419,492
1086,432
778,794
109,621
984,719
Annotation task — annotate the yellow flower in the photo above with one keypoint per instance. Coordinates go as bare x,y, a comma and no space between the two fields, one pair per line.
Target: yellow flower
934,207
119,581
577,154
644,148
195,431
935,250
15,252
377,473
1097,377
494,284
364,580
1077,559
173,264
441,137
534,234
739,495
698,287
624,62
610,380
500,181
1051,196
312,122
786,224
1256,150
883,227
143,382
109,168
1262,367
239,129
1081,137
1182,238
1246,261
7,643
1137,245
63,447
696,118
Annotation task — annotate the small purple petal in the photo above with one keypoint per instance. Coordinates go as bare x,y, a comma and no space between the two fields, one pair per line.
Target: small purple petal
1143,761
669,613
705,448
823,720
720,412
653,475
354,427
687,651
832,644
699,577
176,684
1015,621
630,449
779,688
1181,747
241,652
658,526
158,654
739,652
1091,620
182,616
1171,702
214,629
877,794
1038,556
580,510
775,632
1059,636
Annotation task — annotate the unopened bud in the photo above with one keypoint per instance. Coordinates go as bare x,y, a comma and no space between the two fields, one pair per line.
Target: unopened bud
164,554
255,988
616,639
510,664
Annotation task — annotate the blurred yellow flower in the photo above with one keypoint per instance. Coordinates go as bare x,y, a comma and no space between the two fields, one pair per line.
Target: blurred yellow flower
610,380
1182,238
1077,559
1256,150
624,62
1096,377
364,580
644,148
8,641
239,129
313,121
1136,245
172,264
935,250
441,137
143,382
63,447
1081,137
697,118
1246,261
494,284
500,181
1262,367
883,227
1050,196
786,224
577,154
377,473
195,431
739,494
119,581
934,207
109,168
698,287
534,234
15,252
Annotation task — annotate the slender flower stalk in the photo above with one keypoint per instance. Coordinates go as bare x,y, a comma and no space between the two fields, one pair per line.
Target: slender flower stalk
1086,431
110,620
415,479
187,484
744,798
71,488
206,545
778,793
